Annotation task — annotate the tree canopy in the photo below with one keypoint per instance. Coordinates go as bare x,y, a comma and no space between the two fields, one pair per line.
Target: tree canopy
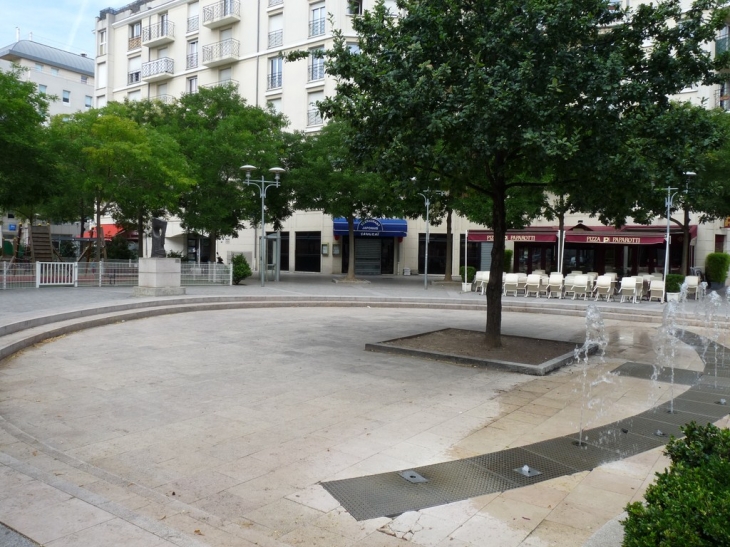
515,94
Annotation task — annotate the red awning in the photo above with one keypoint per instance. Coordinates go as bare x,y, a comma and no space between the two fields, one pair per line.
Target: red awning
536,236
615,238
110,231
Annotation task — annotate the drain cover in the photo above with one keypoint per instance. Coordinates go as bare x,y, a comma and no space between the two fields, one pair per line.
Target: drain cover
411,476
527,471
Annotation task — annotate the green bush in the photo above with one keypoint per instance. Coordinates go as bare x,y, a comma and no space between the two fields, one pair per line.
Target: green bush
470,272
508,260
689,504
716,267
241,269
674,282
118,249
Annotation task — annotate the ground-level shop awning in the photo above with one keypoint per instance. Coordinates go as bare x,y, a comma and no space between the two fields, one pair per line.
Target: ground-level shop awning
538,236
110,231
372,227
607,235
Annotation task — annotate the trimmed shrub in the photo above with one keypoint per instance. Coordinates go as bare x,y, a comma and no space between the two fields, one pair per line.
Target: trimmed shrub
689,503
470,272
674,282
241,269
716,267
508,253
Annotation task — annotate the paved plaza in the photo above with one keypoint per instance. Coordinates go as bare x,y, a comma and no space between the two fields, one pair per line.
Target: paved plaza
216,427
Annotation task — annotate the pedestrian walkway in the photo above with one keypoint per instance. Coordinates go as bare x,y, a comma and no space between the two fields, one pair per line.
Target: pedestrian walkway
217,427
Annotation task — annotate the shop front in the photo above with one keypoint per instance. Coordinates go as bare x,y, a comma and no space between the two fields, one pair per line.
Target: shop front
376,244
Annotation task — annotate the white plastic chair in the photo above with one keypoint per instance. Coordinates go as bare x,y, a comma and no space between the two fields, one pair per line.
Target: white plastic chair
693,284
582,286
568,285
511,284
604,288
555,285
656,290
533,285
628,289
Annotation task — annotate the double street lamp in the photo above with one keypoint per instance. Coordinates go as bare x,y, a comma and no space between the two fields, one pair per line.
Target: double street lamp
262,185
427,201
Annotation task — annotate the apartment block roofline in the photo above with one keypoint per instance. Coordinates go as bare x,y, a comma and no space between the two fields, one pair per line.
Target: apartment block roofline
41,53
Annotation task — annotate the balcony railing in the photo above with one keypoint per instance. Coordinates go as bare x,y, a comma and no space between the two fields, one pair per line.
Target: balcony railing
221,13
159,69
229,81
134,77
273,81
722,99
166,99
135,42
159,33
273,3
276,38
191,61
193,23
315,72
316,27
314,117
221,52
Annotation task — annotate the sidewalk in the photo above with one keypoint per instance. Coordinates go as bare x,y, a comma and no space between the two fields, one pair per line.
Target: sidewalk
216,428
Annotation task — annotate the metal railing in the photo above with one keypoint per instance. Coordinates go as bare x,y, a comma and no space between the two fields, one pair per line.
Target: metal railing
316,27
220,10
315,72
134,77
158,30
722,99
135,42
226,48
166,65
193,23
229,81
314,117
166,99
276,38
273,3
107,273
191,61
273,81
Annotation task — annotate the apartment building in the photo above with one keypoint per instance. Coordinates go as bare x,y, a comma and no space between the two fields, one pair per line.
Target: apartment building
67,77
160,49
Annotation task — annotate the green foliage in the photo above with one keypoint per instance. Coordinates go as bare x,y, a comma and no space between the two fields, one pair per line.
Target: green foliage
688,504
118,249
241,269
68,249
177,254
717,266
508,254
674,282
470,273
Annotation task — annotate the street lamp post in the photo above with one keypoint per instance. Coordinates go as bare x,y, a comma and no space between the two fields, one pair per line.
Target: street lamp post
262,185
668,200
425,264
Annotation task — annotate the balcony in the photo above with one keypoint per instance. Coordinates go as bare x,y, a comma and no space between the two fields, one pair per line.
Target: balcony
221,14
221,53
222,83
193,23
314,117
315,72
273,81
165,99
316,27
274,3
191,61
276,38
135,42
156,71
158,34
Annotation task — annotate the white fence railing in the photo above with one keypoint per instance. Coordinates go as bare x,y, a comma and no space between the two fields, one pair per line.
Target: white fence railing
124,273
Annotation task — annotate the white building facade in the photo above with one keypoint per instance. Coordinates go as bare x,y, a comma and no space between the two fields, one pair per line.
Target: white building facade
160,49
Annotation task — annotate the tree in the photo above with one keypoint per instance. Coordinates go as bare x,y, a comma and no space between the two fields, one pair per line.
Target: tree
324,177
27,174
499,94
218,133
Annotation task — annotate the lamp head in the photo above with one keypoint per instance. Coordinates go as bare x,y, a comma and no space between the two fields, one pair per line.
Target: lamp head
277,172
248,169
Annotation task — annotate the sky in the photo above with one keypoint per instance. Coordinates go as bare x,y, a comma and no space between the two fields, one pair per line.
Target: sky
63,24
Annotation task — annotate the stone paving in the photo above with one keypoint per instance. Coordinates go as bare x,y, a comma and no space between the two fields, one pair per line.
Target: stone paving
216,427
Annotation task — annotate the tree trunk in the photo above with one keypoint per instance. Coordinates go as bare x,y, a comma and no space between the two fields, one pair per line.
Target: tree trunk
449,247
685,244
351,251
140,235
494,287
213,237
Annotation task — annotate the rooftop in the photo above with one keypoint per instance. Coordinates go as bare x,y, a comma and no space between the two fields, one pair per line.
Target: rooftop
33,51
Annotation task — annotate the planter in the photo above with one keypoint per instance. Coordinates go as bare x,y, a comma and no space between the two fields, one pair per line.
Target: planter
672,297
466,287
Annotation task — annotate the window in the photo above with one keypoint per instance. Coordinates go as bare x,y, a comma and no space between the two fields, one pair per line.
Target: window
354,7
135,70
42,88
391,7
102,42
224,75
39,67
353,48
193,16
191,86
192,58
135,36
101,75
276,31
66,97
88,101
316,22
84,79
274,79
314,117
316,65
134,95
162,53
101,101
54,72
163,20
275,105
